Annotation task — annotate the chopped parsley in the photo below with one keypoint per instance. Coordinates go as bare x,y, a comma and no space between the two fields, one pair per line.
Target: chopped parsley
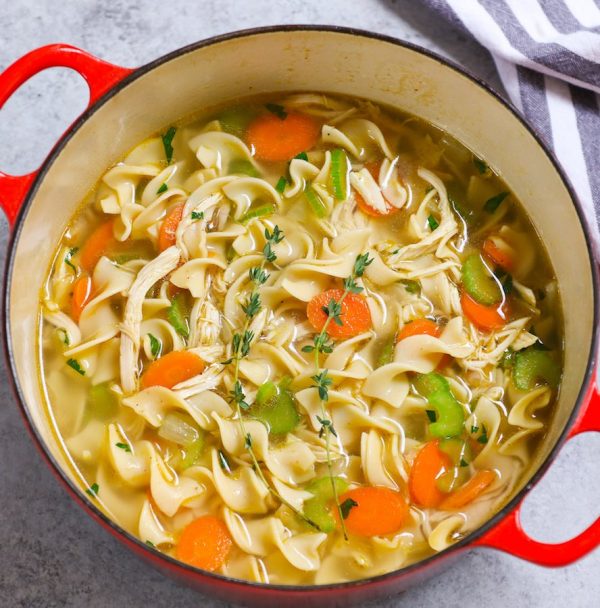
347,506
431,415
69,255
493,203
481,165
276,109
224,462
197,215
281,184
463,463
151,544
123,446
302,156
65,336
483,438
167,140
474,429
93,490
433,223
163,188
74,364
155,346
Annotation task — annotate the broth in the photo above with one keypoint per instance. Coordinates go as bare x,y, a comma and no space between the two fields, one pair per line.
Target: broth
301,340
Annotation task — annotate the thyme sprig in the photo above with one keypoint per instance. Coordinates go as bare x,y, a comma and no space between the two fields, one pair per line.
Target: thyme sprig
322,380
241,343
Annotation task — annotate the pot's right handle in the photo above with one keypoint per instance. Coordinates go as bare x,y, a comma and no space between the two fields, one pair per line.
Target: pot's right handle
99,75
510,537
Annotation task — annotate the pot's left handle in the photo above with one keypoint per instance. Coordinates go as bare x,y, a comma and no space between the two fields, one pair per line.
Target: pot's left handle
99,75
509,535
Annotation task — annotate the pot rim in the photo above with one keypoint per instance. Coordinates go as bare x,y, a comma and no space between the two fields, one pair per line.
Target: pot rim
210,577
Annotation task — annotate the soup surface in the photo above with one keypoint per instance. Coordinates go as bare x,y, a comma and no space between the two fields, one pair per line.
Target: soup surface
302,340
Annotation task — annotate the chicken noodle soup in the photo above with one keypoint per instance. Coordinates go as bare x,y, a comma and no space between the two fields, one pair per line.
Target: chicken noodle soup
302,340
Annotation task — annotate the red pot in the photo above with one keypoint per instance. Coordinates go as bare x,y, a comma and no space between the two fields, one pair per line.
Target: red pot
338,60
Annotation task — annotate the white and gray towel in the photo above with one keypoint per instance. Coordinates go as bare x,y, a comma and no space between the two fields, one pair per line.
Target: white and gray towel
547,53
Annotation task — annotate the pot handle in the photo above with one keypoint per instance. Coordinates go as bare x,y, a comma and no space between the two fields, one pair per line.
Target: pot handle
99,75
509,536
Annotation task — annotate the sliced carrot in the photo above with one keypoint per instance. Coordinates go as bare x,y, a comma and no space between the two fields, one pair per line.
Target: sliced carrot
205,543
99,243
276,139
498,255
420,327
175,367
166,236
483,317
82,291
355,317
469,491
430,463
378,511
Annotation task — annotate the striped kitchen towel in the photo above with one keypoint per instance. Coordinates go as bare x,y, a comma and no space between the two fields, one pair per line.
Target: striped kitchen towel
547,53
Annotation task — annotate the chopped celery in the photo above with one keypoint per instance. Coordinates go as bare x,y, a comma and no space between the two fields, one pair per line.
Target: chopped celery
245,167
452,479
135,250
260,211
236,120
386,354
315,202
180,428
177,315
532,366
479,282
450,416
458,450
275,407
339,174
319,513
102,402
193,452
317,508
321,487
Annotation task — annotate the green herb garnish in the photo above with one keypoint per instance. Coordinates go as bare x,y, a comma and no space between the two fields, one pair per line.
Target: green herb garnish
123,446
155,346
93,490
197,215
493,203
431,415
69,255
433,223
167,140
276,109
151,544
482,166
163,188
223,462
177,315
483,438
347,506
302,156
281,184
74,364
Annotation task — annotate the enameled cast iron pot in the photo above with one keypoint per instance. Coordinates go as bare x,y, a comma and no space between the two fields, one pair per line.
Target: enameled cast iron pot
128,105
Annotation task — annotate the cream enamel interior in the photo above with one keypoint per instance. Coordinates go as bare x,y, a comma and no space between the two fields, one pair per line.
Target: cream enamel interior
303,60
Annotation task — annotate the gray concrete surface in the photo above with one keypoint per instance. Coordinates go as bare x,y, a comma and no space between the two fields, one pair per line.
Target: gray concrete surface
51,553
